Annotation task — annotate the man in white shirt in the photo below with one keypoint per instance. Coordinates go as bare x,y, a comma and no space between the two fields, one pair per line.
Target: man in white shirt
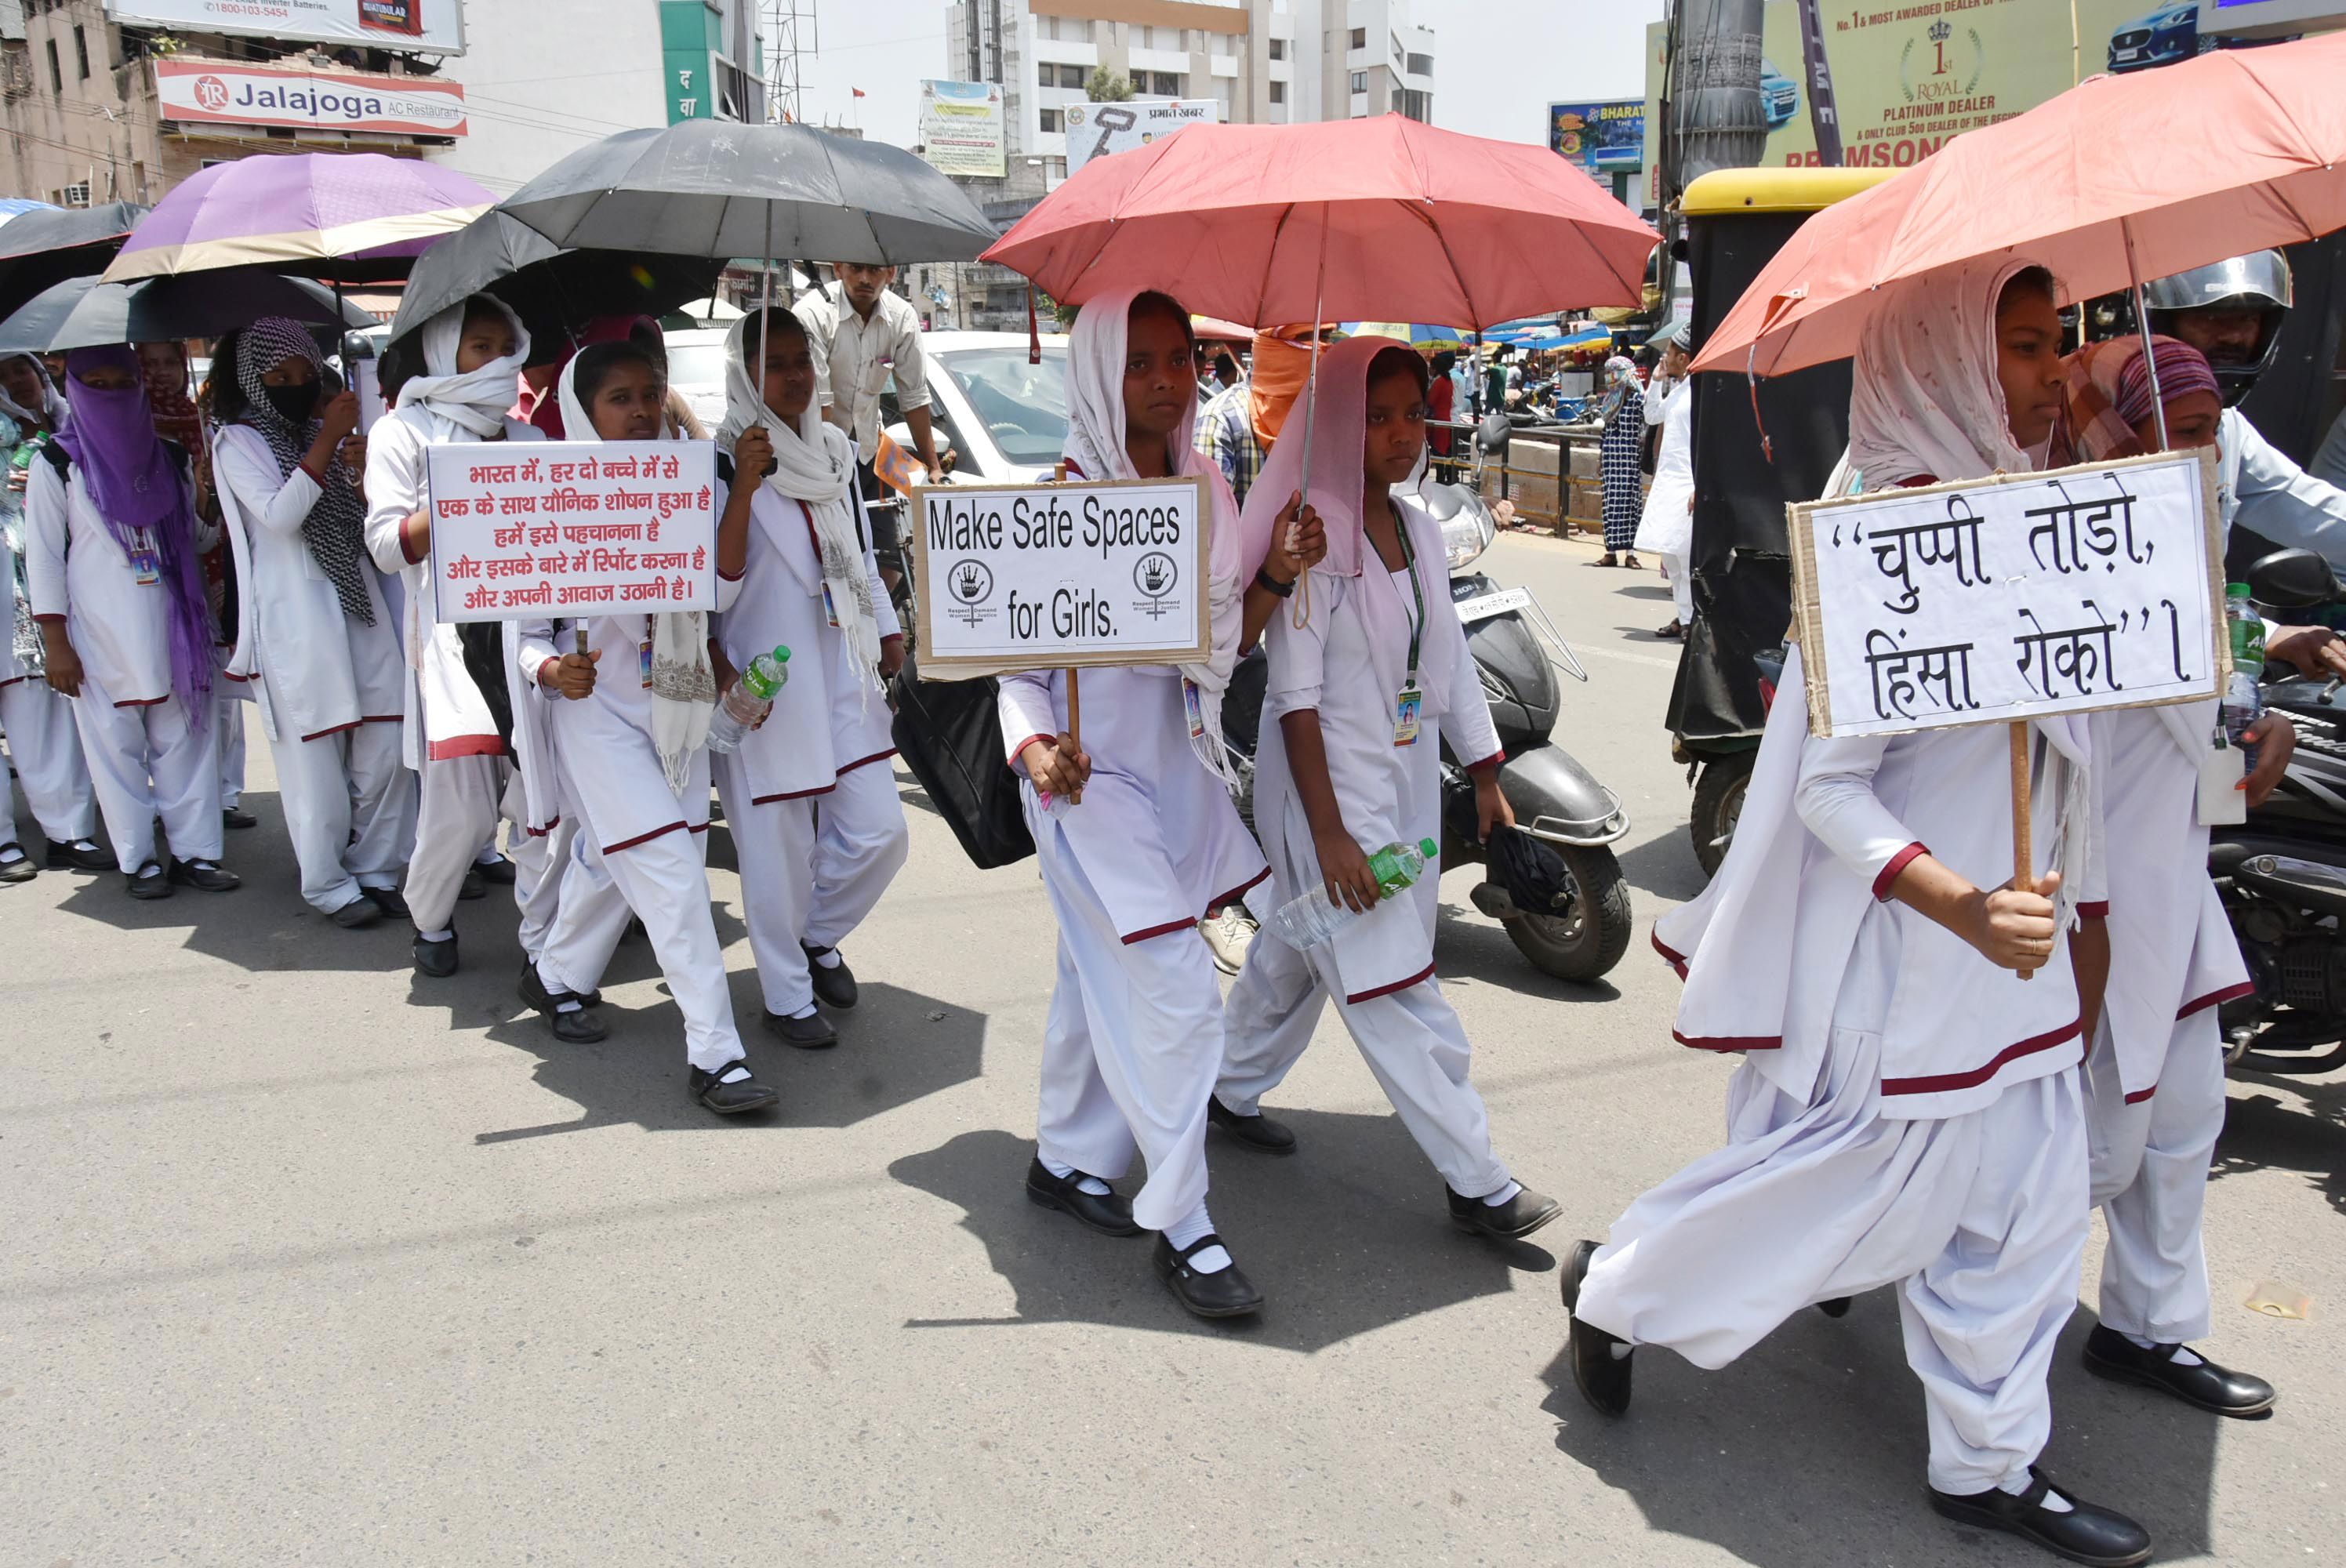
863,335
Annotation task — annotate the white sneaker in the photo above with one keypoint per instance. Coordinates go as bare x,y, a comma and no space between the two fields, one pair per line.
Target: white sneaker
1229,932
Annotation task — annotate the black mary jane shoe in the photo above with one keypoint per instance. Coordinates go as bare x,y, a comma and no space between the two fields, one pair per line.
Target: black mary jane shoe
499,870
1225,1293
734,1099
238,818
1105,1212
2207,1387
1510,1221
390,900
472,886
582,1026
435,959
834,986
812,1033
205,877
2098,1537
149,882
21,868
1602,1377
1256,1131
66,857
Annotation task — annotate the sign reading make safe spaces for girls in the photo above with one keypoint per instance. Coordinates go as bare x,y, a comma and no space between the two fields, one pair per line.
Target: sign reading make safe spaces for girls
2012,598
1052,576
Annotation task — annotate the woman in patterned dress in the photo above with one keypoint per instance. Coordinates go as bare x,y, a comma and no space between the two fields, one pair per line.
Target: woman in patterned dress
1624,418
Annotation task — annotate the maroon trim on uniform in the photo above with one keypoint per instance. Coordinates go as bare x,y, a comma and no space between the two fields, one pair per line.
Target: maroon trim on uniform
793,794
12,680
1729,1042
1491,761
542,833
1425,973
316,478
407,551
699,828
2139,1096
59,620
457,745
1940,1083
1240,891
733,577
150,702
2099,908
1671,956
230,674
321,734
875,757
676,826
381,718
1075,468
1898,862
1165,929
2216,998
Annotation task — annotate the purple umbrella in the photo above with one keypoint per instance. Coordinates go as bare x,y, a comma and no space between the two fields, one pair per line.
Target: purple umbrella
348,215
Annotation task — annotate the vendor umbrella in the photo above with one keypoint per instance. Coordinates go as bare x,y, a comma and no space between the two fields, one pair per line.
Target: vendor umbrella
1426,339
49,245
553,290
353,217
84,312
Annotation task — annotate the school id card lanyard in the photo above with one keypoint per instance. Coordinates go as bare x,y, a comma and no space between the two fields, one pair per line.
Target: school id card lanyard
1406,704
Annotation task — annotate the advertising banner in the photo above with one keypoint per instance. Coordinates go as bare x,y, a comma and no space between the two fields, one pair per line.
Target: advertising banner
1599,136
2014,597
1053,577
962,128
523,532
1100,130
421,26
216,92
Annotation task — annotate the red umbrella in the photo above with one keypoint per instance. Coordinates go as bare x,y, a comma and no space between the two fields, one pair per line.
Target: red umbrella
2094,184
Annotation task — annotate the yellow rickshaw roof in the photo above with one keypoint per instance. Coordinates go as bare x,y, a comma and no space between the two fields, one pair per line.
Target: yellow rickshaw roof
1727,190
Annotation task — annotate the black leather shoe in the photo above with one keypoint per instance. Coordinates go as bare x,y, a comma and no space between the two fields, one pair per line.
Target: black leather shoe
812,1033
499,870
736,1098
1518,1217
237,816
358,914
149,884
390,901
2208,1387
1225,1293
1602,1378
835,986
580,1026
65,856
205,877
1104,1212
473,887
2096,1536
1256,1131
21,868
435,959
1837,1306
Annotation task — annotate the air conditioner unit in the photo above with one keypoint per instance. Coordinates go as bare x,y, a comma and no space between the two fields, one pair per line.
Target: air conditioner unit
74,195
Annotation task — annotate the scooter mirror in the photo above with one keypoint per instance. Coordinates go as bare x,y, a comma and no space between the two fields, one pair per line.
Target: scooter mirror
2292,580
1494,431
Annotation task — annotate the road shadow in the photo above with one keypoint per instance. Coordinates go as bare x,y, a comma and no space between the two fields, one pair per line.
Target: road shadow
1348,1237
896,1046
1664,866
1470,945
1812,1449
2263,1132
1657,589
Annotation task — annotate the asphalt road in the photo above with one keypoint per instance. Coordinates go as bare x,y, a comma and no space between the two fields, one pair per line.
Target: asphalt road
307,1261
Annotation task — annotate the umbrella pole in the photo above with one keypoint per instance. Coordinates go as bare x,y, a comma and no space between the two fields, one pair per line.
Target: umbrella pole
765,305
1301,615
2142,325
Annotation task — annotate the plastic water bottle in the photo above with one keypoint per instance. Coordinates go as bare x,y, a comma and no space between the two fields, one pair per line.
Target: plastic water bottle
1309,921
749,699
2244,702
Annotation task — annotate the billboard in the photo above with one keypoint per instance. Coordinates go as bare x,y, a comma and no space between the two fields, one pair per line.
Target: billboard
1100,130
961,129
420,27
1599,136
216,92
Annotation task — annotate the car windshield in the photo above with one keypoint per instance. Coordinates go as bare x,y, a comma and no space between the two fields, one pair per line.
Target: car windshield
696,365
1022,407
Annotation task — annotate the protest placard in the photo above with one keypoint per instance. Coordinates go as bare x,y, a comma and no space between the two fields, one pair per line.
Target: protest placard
2012,598
1050,576
531,530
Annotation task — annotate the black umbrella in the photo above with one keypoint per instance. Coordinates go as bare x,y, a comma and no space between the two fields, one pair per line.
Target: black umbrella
712,188
553,290
43,247
82,312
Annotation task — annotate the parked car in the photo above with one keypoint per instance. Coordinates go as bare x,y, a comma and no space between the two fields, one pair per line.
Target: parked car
1004,418
696,367
1780,97
2166,35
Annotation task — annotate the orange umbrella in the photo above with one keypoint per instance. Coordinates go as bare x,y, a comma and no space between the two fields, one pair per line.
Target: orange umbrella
2101,183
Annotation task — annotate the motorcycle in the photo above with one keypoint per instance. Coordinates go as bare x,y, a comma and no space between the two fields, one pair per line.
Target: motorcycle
2283,874
1516,652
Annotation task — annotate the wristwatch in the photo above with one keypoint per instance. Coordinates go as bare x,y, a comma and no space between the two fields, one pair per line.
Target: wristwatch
1263,576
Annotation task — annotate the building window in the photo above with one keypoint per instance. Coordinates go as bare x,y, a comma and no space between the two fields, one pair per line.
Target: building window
1279,48
1360,38
81,51
1279,92
1418,107
1420,64
1072,77
1050,25
1360,81
1163,84
1052,125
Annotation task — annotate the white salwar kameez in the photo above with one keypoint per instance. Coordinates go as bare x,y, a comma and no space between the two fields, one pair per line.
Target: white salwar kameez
43,745
1666,527
329,684
147,759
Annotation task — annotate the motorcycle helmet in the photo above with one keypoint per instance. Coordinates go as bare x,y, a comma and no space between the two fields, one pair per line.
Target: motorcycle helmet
2256,284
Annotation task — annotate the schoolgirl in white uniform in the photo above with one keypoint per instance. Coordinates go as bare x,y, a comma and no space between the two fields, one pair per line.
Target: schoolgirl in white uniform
1909,1112
112,563
627,731
1151,842
809,796
1362,693
316,626
42,744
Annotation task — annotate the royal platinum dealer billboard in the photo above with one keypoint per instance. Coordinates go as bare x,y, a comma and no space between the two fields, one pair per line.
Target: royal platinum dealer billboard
421,26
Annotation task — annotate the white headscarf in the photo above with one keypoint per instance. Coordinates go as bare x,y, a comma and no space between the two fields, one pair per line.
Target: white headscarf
684,687
814,464
1095,450
53,410
1919,404
469,403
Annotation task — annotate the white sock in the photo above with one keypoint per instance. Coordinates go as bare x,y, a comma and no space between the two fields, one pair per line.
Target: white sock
84,844
12,854
1191,1229
1502,1194
2054,1502
446,933
148,868
1091,1186
806,1012
1621,1349
733,1075
828,957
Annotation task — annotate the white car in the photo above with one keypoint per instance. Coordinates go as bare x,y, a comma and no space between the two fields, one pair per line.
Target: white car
1004,418
696,367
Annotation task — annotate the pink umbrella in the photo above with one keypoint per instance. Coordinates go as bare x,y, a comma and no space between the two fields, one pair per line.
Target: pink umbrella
299,212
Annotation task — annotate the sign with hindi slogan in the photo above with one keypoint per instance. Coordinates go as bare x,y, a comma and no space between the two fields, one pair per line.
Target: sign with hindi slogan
537,530
1061,577
2012,598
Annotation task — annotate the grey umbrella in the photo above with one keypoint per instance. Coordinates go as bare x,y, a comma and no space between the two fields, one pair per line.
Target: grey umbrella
712,188
39,248
551,289
82,312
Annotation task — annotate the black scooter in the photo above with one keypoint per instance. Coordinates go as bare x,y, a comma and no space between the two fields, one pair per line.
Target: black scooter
1517,652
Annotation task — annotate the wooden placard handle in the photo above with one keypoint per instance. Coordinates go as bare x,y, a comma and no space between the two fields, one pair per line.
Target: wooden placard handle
1076,708
2023,870
582,639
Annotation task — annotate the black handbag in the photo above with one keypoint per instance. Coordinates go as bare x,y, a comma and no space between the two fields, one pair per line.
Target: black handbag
949,734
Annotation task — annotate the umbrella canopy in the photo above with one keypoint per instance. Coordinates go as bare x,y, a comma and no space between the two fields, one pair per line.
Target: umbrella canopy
1431,339
1393,217
84,312
14,207
354,216
711,187
2072,183
49,245
552,290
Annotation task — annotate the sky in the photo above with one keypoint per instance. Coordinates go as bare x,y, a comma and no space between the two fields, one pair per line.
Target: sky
1498,63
